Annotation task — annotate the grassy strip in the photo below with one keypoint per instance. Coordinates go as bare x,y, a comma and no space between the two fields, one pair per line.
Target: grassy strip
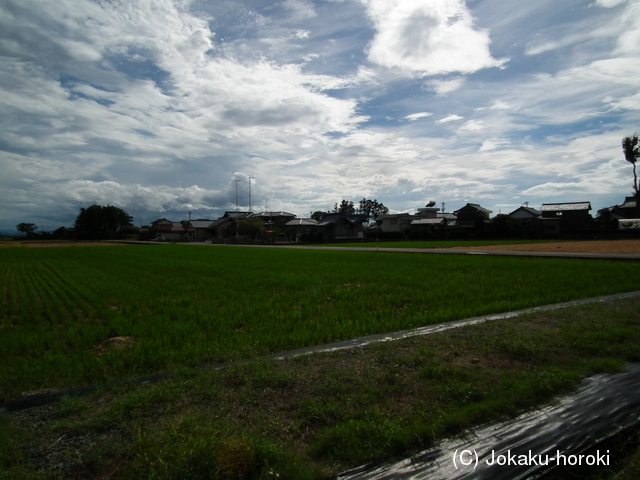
434,243
194,306
315,416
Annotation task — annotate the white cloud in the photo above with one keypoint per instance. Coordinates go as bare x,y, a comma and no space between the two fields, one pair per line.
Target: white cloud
442,87
450,118
472,126
416,116
428,37
609,3
500,105
492,144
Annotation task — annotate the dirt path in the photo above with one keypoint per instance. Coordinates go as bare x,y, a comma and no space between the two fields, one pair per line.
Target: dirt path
593,246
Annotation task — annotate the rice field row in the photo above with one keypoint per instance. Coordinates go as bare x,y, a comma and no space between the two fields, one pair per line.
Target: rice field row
186,306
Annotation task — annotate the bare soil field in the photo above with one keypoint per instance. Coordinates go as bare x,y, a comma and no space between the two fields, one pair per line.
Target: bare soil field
63,243
592,246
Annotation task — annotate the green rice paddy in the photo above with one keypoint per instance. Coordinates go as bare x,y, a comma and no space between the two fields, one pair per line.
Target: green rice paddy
186,306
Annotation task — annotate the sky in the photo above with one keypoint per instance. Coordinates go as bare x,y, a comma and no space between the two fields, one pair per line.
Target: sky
165,107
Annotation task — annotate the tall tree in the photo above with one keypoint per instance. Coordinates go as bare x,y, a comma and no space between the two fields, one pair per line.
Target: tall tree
631,149
372,208
346,207
27,228
102,223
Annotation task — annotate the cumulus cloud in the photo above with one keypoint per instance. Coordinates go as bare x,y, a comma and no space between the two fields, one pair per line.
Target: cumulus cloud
428,37
158,106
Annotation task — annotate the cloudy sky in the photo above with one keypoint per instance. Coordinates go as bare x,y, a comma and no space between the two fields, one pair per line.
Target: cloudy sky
159,106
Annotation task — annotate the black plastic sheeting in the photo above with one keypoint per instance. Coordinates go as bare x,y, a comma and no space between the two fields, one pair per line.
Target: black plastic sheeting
603,406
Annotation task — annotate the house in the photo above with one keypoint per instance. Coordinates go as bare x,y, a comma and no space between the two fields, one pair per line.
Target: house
274,218
470,215
626,210
198,230
429,210
525,213
397,222
299,228
220,228
339,225
167,229
570,217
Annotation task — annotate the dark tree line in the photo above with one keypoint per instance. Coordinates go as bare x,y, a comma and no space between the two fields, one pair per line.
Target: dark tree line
371,208
102,223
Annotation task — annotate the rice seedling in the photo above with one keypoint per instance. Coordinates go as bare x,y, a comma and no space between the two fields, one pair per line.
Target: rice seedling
187,307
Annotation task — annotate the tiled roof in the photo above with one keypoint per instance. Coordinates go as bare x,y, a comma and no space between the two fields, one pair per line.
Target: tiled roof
428,221
301,222
274,214
564,207
201,223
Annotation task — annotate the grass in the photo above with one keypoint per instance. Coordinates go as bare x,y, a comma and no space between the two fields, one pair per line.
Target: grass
187,307
314,416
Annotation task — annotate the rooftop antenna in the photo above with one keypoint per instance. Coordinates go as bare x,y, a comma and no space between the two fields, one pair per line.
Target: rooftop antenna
442,207
189,215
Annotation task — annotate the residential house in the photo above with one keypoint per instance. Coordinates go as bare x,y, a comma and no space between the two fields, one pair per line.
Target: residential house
339,225
626,210
570,217
163,228
525,213
394,222
297,228
471,215
198,230
220,228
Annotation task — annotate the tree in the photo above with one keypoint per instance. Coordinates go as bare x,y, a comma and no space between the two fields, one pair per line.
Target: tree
372,208
345,207
631,149
102,223
28,228
251,227
317,215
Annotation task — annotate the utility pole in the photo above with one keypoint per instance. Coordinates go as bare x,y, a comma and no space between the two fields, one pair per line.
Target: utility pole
237,180
250,194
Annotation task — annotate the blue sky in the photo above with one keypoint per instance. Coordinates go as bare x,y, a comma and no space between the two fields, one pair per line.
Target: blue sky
158,106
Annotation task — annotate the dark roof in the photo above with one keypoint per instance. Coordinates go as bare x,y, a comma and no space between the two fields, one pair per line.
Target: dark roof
200,223
530,210
331,218
474,206
629,202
